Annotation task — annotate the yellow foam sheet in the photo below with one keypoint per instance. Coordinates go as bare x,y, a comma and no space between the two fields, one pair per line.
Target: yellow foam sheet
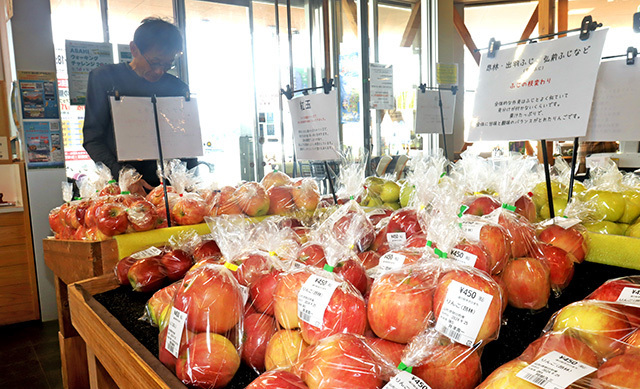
616,250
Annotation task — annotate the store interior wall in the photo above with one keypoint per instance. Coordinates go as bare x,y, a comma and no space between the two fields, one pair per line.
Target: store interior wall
33,49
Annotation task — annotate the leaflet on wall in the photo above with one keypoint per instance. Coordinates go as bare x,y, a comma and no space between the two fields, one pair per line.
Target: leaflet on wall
428,117
44,143
82,58
134,127
614,112
537,91
124,53
39,95
381,86
315,126
447,73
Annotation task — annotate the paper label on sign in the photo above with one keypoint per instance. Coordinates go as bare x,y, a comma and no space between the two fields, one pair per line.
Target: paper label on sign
174,331
148,253
630,296
245,294
555,371
391,261
313,299
471,230
381,86
463,313
406,380
429,119
463,257
396,239
315,126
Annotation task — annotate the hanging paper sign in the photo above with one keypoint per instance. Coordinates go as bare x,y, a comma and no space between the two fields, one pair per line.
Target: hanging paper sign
124,53
315,126
44,143
428,117
38,95
381,86
614,112
447,73
82,58
537,91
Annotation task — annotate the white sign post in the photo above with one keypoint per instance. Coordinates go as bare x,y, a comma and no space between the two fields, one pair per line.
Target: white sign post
428,117
315,126
614,113
537,91
381,86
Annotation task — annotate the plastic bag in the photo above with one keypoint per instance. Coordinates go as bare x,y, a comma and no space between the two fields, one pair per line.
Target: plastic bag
189,207
145,270
159,305
275,178
221,203
277,379
252,199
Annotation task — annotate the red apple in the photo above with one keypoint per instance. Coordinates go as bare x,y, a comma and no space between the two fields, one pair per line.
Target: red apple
482,260
164,355
252,199
569,239
380,242
340,361
206,249
503,289
417,241
280,200
451,366
496,241
399,304
177,263
112,219
632,343
312,254
527,208
262,292
491,322
284,349
110,189
306,194
354,273
482,205
258,329
156,196
405,220
91,214
160,301
147,275
506,377
520,231
188,210
275,179
122,269
391,351
142,215
209,361
211,298
369,259
623,371
251,266
285,298
562,343
354,229
379,214
56,220
610,291
560,265
528,283
224,203
278,379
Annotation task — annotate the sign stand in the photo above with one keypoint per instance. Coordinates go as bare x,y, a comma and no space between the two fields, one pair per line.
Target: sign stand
585,29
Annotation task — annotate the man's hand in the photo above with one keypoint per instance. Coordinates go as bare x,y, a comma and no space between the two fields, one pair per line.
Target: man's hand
140,187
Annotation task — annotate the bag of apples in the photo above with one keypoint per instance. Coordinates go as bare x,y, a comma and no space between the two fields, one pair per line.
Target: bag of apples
62,219
188,207
142,270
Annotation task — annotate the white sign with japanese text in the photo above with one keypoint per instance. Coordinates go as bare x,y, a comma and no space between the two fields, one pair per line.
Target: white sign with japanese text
614,112
315,126
82,58
428,117
540,90
381,86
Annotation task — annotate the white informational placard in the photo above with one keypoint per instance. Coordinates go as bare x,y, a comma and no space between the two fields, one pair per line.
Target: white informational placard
447,73
82,58
381,86
428,118
540,90
315,126
134,126
614,112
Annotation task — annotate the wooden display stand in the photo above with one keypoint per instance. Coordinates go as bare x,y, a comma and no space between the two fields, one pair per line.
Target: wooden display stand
116,359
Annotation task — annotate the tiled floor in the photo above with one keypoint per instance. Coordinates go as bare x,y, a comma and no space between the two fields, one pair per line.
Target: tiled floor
30,356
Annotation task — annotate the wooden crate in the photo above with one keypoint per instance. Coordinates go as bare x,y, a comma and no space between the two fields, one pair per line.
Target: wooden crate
72,261
115,357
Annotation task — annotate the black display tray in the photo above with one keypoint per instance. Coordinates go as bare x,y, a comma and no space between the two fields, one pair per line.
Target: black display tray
521,326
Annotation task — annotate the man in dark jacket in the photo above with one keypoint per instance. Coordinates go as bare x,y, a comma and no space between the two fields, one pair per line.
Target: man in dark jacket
156,43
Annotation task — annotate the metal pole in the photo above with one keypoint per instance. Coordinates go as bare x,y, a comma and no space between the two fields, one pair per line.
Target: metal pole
366,111
291,80
574,157
547,178
104,12
280,105
444,136
154,102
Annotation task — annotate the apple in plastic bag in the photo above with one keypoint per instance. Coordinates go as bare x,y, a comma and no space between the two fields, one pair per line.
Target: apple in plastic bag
284,349
506,377
568,239
251,266
483,259
275,179
521,232
496,241
147,275
164,355
392,351
610,291
211,298
562,343
482,205
306,194
528,283
262,292
252,199
312,254
188,210
122,269
285,298
278,379
450,366
206,249
142,216
354,273
209,360
56,220
405,220
354,229
491,323
156,196
609,206
280,200
258,330
159,301
176,262
527,208
622,371
369,259
560,263
112,219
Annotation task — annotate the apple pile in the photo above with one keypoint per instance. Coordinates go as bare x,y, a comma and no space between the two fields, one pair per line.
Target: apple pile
384,193
592,343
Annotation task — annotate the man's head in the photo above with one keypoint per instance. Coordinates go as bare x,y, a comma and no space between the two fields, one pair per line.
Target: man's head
155,45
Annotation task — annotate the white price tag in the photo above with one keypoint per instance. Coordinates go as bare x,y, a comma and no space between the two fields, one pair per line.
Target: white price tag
148,253
555,371
406,380
174,331
463,313
564,222
630,296
391,261
245,294
313,299
297,265
396,239
463,257
471,230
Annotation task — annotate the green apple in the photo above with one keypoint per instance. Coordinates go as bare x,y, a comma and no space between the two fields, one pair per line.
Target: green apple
371,200
609,206
392,205
390,192
540,193
623,228
633,230
631,206
374,184
605,227
559,204
406,193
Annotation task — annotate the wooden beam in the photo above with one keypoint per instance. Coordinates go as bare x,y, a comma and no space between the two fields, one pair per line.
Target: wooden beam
464,33
563,16
350,15
413,26
533,21
546,16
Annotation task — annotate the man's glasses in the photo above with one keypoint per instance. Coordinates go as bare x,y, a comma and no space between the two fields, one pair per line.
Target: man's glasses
157,65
